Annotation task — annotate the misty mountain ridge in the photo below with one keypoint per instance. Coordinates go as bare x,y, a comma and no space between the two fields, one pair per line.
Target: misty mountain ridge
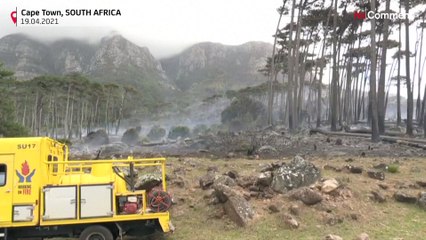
212,68
203,69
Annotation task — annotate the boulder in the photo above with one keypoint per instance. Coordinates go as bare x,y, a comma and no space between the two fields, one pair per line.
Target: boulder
421,183
379,175
273,208
378,196
329,185
355,169
363,236
98,138
290,221
232,174
236,207
207,180
131,136
113,149
294,209
264,179
404,197
297,174
148,181
223,179
332,237
306,195
422,200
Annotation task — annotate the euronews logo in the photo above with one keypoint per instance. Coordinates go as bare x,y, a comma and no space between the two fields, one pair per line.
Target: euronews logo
360,15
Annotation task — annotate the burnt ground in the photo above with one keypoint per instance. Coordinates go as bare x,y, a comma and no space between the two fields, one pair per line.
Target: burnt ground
258,145
350,210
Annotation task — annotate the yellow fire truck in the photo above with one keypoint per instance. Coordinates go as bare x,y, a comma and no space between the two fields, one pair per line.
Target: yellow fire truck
43,194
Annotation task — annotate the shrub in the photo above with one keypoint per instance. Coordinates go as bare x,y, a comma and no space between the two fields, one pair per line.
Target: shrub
244,113
393,168
200,129
13,129
179,131
64,141
156,133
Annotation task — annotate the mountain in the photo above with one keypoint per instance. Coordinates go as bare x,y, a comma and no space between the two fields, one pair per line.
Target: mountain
27,57
203,70
113,59
206,69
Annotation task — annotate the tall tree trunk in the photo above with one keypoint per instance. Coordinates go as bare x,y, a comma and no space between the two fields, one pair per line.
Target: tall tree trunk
381,88
398,83
335,77
290,70
407,69
375,135
66,129
419,115
272,69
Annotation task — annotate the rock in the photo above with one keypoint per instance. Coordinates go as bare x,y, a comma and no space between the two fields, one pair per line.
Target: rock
213,169
378,196
333,168
297,174
246,181
267,149
232,174
306,195
236,207
113,149
363,236
273,208
207,180
225,180
264,179
421,183
290,221
267,168
131,136
148,181
98,138
404,197
179,181
376,174
354,216
422,200
329,185
332,237
383,186
331,219
355,169
294,209
230,155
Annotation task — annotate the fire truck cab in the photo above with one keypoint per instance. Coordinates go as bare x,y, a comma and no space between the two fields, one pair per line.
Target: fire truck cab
43,194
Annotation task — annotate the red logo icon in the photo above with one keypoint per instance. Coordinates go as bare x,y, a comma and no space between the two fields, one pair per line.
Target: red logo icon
14,17
25,175
359,15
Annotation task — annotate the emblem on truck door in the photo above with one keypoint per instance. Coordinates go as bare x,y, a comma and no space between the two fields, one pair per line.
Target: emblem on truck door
25,175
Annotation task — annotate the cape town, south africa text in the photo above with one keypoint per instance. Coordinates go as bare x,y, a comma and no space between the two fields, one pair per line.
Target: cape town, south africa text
70,12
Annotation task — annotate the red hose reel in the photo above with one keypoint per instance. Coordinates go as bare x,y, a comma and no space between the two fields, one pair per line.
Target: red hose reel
159,200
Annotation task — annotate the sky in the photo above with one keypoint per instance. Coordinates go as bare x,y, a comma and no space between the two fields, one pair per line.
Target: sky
164,26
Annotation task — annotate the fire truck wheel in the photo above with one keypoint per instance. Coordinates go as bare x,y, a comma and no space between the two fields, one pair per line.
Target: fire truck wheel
96,232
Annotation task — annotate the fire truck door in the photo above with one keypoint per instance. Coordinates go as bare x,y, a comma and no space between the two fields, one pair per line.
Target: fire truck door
6,185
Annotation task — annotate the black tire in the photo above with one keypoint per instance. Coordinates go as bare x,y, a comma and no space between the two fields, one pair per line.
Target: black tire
96,232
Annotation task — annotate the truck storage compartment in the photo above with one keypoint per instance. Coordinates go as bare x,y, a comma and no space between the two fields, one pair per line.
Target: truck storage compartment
60,202
96,201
